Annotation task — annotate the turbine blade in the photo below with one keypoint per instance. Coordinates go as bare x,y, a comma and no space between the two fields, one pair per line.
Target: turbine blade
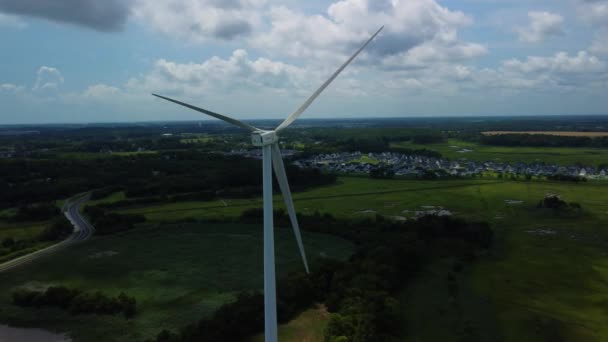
279,170
291,118
210,113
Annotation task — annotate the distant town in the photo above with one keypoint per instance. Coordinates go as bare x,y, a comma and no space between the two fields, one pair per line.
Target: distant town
414,165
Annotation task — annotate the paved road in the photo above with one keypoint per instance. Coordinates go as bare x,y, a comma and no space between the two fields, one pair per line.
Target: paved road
82,231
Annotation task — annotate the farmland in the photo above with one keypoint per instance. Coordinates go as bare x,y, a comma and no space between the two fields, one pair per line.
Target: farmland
453,149
556,133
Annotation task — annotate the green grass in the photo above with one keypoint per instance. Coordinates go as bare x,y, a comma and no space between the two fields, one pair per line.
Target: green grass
543,287
21,231
197,139
6,214
557,155
528,288
477,199
365,159
178,273
308,326
557,281
113,197
94,155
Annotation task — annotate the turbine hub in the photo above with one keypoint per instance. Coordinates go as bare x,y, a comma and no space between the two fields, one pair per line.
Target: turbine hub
263,138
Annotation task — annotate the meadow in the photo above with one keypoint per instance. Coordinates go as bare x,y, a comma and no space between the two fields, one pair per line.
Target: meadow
29,231
557,133
547,273
549,155
545,277
178,273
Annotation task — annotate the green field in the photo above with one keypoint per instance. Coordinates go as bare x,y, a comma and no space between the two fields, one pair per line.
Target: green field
557,155
531,286
178,273
353,197
365,159
528,285
20,231
308,326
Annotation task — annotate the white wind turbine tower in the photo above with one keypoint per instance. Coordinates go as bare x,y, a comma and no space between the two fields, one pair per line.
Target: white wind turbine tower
271,158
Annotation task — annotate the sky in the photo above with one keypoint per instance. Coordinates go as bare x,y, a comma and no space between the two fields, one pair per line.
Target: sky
84,61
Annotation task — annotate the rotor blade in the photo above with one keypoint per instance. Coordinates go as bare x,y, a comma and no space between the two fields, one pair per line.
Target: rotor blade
279,170
210,113
303,107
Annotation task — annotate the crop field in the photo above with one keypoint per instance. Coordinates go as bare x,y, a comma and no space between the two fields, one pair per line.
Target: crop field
558,133
178,273
546,272
455,149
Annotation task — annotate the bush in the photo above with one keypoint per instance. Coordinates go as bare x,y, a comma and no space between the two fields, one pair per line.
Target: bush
76,301
37,212
109,223
59,229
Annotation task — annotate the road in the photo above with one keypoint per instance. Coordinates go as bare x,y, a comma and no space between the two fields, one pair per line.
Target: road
82,231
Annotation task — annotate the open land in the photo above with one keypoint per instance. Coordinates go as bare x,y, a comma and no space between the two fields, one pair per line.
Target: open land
526,280
177,272
558,133
544,279
453,149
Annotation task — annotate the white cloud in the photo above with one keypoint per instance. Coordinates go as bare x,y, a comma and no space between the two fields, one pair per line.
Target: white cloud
9,88
594,12
100,91
200,20
542,25
11,21
561,62
48,79
217,75
599,45
416,32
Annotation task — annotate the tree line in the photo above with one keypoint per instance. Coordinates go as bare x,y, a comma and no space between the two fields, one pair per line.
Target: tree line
76,301
542,140
26,181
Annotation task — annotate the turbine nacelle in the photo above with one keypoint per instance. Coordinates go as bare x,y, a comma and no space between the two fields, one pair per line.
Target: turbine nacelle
263,138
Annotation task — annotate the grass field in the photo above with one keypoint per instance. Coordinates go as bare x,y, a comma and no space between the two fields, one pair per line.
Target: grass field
309,326
21,231
556,155
529,285
365,159
93,155
178,273
532,286
558,133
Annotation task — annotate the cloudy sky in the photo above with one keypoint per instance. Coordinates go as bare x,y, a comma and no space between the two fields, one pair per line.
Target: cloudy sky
99,60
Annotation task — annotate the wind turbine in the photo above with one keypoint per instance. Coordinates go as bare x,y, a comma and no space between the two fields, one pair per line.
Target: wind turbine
271,158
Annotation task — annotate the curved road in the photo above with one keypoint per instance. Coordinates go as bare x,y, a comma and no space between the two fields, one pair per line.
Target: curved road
82,231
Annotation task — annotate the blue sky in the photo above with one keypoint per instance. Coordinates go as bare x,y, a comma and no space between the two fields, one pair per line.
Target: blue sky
99,60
